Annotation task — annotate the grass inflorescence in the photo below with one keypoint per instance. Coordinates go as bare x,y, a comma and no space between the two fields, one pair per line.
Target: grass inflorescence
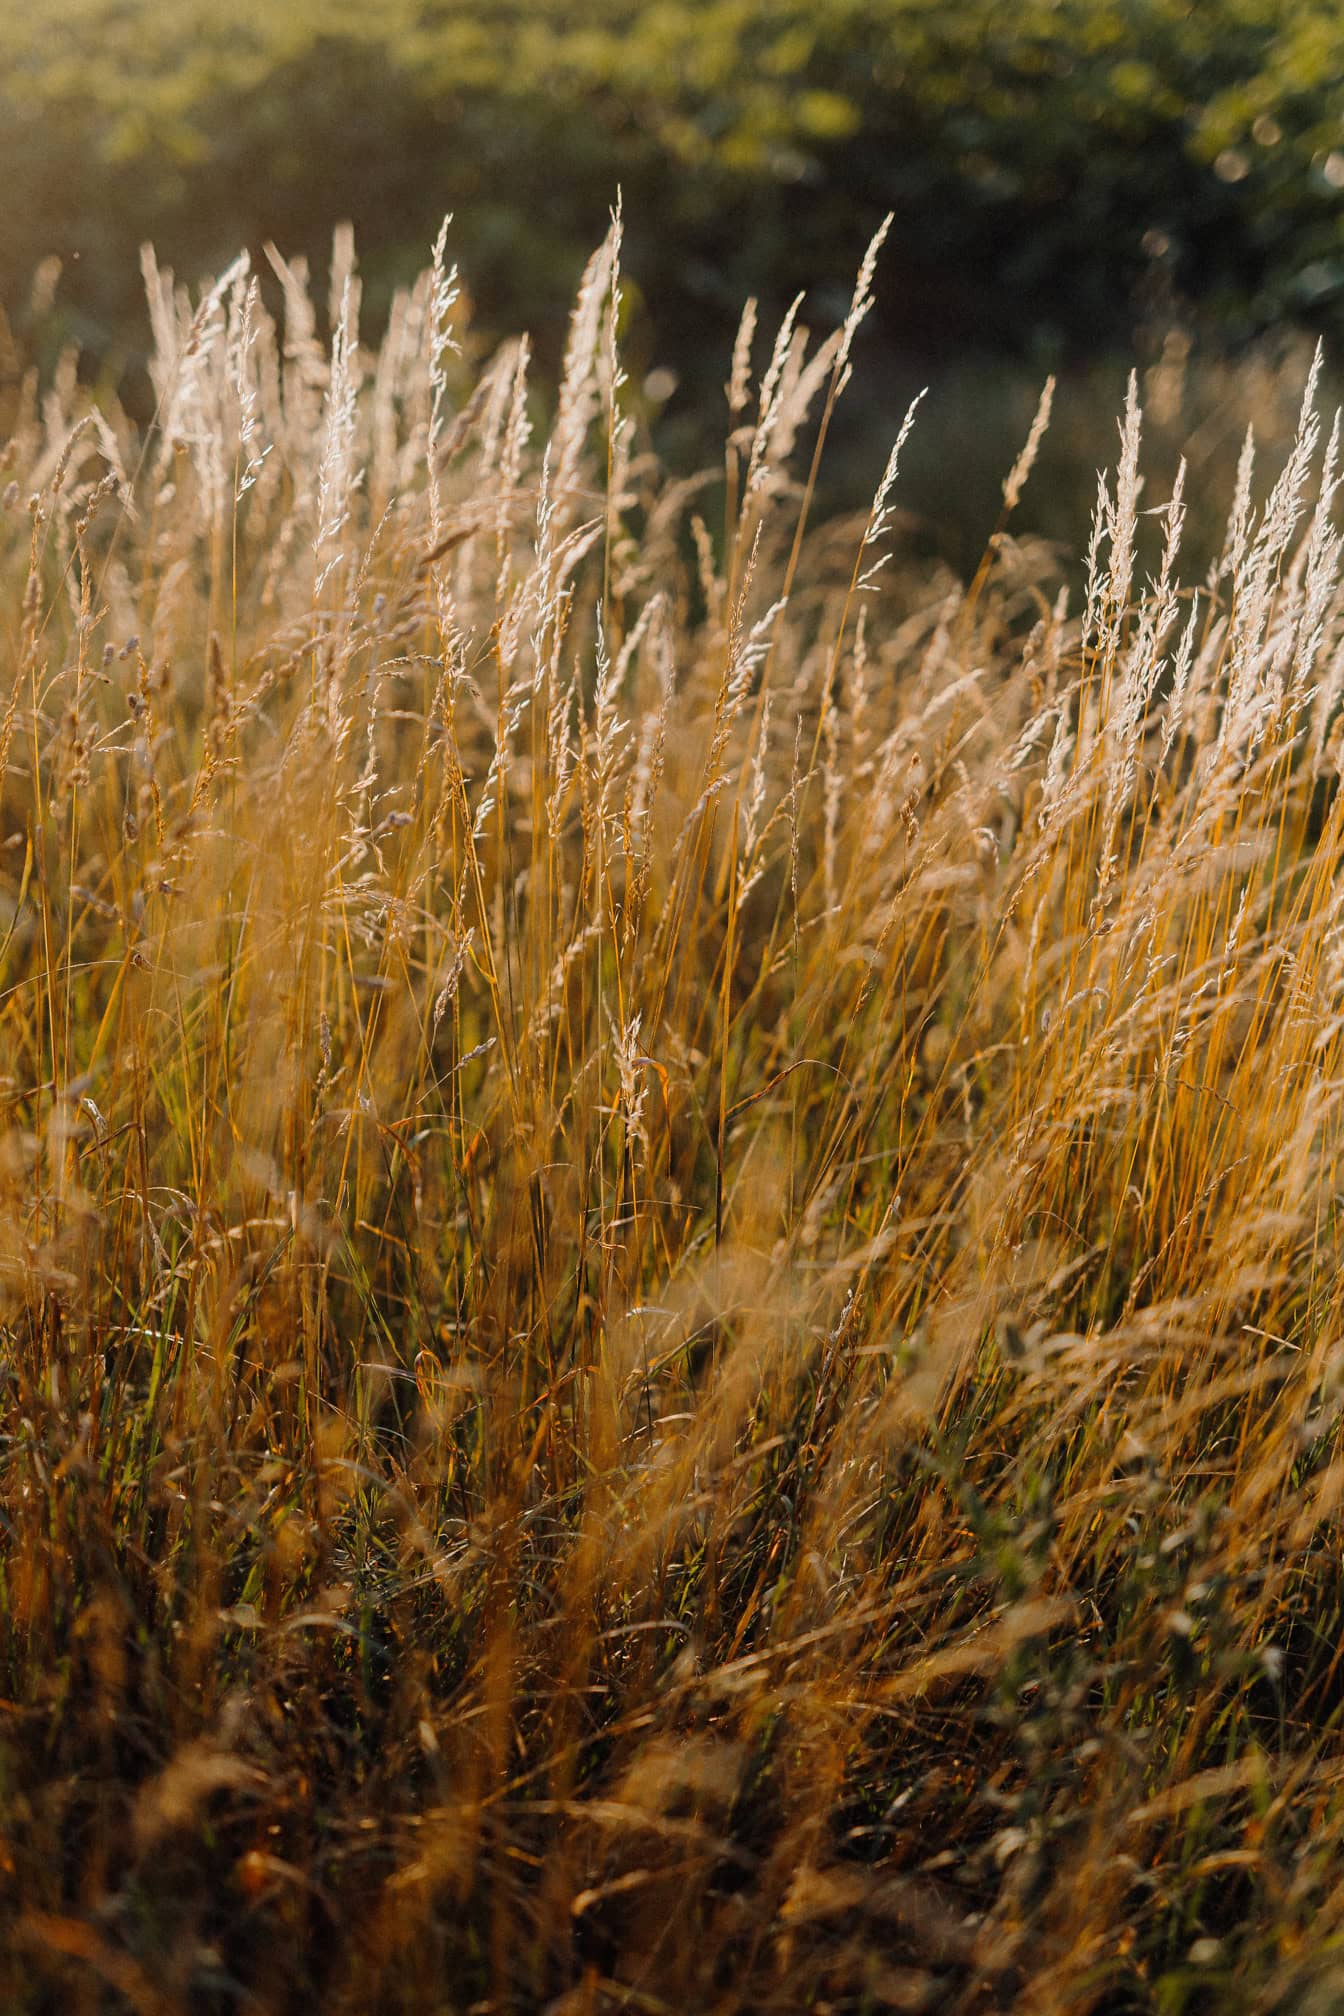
670,1204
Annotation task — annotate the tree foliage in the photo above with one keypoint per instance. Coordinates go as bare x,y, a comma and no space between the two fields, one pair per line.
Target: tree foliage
1049,162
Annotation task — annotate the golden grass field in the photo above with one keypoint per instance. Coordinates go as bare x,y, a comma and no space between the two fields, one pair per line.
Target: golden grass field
669,1205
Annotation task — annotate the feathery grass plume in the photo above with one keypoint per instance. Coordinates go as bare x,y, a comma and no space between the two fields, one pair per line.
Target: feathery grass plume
861,303
1015,482
244,334
516,433
1121,527
1241,517
1180,680
578,400
880,512
749,870
1319,567
758,465
738,389
1250,644
336,476
441,295
305,371
188,386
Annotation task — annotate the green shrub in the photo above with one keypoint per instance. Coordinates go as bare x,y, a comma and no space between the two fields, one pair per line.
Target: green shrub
1044,159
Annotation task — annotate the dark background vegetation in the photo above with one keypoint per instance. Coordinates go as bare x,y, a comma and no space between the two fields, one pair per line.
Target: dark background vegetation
1042,156
1070,179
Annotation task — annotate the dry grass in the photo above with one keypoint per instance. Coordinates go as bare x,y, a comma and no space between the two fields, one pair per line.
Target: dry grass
670,1211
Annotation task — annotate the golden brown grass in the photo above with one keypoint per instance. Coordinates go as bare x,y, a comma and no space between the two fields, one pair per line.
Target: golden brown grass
670,1310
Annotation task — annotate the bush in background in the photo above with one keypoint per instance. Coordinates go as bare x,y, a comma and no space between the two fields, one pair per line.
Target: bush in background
1053,165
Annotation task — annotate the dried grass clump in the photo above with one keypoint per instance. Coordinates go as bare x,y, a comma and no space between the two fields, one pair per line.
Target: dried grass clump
670,1207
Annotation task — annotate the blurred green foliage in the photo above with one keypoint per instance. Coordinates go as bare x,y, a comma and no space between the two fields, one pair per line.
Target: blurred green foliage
1056,167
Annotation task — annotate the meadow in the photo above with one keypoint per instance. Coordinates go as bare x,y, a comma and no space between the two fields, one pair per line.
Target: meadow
669,1197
